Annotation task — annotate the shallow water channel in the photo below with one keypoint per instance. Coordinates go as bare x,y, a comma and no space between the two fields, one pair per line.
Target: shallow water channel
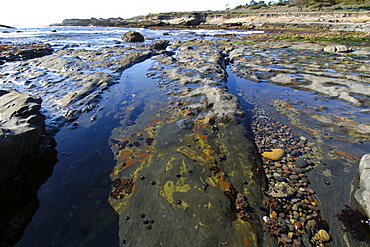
74,210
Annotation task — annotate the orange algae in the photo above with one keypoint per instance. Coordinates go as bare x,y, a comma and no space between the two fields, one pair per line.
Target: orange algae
155,121
129,163
310,131
246,242
249,225
348,155
225,184
125,154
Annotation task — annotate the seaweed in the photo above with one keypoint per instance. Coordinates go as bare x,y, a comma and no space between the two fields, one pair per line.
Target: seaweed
355,223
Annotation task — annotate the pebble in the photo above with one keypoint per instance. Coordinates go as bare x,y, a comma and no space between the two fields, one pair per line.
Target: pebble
322,235
298,212
311,191
285,238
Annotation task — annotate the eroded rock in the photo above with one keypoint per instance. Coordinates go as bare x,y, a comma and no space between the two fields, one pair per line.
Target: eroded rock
21,127
198,81
362,195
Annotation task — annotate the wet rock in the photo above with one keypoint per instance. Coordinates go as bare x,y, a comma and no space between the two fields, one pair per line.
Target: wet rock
159,44
21,126
178,193
200,81
283,79
322,235
362,195
285,238
275,154
301,163
185,123
133,36
19,52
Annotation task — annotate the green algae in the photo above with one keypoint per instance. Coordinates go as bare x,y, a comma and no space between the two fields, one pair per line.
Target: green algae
359,38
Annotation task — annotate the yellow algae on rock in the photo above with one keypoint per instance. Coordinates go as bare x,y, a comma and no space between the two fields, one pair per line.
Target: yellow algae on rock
170,187
275,154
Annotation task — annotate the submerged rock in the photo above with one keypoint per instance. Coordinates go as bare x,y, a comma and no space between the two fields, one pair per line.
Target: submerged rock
322,235
281,189
276,154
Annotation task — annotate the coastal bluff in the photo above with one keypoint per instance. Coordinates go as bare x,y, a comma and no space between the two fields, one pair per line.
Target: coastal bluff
238,19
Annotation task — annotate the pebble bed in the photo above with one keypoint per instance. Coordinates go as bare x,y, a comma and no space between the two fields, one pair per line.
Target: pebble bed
293,211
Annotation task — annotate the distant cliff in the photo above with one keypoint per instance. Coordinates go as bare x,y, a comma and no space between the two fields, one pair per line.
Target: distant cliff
276,18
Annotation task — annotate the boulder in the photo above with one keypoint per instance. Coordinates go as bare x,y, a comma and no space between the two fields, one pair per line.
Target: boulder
337,48
362,195
21,127
159,45
132,36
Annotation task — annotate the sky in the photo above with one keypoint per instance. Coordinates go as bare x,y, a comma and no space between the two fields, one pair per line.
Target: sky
44,12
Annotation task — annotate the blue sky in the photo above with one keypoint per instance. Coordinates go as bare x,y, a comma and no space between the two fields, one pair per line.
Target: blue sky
45,12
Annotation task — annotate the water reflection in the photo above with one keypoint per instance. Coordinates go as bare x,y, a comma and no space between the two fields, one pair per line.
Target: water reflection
19,192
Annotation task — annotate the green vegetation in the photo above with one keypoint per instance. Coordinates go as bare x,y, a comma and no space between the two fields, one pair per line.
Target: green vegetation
248,42
338,37
363,4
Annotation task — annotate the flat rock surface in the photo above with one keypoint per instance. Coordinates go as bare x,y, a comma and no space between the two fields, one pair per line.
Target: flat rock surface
184,168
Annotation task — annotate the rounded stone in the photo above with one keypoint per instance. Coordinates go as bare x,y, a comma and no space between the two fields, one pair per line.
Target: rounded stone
275,154
322,235
301,163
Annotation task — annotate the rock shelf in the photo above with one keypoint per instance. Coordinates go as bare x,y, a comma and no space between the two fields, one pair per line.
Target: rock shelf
195,176
186,163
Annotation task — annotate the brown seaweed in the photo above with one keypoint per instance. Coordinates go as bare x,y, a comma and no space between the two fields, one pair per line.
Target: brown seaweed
355,223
